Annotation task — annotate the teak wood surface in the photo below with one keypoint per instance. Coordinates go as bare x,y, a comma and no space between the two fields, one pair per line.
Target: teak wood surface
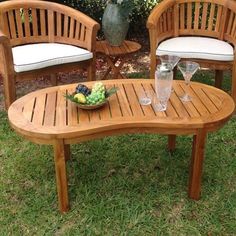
116,56
46,117
206,18
34,21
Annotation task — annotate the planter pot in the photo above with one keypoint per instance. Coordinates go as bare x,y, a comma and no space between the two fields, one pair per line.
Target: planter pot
114,25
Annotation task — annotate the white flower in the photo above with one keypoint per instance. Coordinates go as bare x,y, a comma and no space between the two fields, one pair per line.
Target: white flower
119,1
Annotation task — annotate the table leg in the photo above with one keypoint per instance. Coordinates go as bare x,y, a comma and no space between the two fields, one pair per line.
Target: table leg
117,69
61,178
113,68
171,142
106,73
111,62
196,166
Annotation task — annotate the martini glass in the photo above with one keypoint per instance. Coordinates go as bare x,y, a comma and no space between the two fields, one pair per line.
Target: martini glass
187,68
169,59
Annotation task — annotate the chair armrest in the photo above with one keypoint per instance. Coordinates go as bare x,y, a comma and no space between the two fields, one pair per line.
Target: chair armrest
3,38
6,60
160,22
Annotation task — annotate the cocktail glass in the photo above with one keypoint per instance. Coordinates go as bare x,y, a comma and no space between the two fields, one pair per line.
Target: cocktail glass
172,60
188,69
169,59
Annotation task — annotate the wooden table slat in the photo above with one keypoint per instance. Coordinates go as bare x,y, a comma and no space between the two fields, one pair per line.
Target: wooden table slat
61,111
189,107
125,49
214,98
103,48
141,88
123,102
50,109
114,107
171,110
94,115
28,109
205,99
105,113
154,100
83,116
200,107
38,116
133,101
72,111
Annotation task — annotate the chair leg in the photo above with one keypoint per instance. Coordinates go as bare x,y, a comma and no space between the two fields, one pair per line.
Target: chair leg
53,78
92,70
9,86
91,73
153,66
218,78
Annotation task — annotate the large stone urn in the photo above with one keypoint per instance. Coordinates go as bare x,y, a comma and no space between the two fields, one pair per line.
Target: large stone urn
115,26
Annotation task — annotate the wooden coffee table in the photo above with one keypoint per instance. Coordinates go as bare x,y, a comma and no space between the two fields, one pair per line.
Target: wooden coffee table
116,55
45,117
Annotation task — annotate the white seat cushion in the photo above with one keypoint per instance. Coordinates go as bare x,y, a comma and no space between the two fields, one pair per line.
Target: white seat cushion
41,55
197,47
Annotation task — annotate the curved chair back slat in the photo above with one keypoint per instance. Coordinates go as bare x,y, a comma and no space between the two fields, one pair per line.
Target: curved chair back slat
215,19
45,22
230,31
203,18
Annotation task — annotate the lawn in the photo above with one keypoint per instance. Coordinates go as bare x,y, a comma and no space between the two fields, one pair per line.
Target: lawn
124,185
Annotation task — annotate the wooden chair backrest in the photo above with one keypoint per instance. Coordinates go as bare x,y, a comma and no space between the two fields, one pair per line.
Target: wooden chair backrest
211,18
230,29
36,21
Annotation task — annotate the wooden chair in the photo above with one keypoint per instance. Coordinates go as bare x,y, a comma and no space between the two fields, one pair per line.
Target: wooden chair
199,30
39,38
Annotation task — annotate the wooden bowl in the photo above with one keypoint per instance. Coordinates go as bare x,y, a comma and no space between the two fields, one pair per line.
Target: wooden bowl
91,107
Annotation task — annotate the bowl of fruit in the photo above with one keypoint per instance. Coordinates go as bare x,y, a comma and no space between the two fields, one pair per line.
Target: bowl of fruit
91,98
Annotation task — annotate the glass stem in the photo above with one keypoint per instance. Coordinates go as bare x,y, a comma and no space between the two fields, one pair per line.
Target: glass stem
187,82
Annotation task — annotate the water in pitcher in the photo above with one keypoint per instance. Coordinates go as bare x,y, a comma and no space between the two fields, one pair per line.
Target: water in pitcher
163,86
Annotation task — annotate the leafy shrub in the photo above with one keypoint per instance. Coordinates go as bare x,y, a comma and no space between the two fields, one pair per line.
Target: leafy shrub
95,9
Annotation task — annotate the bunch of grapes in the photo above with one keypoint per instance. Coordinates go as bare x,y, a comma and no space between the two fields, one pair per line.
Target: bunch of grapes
98,87
81,88
95,98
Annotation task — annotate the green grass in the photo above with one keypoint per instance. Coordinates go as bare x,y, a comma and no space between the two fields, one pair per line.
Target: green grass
125,185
